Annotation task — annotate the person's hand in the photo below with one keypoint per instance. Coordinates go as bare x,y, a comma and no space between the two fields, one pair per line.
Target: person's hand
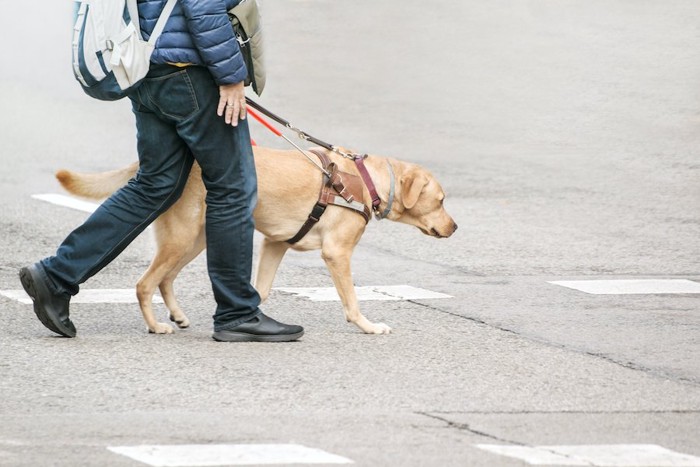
232,103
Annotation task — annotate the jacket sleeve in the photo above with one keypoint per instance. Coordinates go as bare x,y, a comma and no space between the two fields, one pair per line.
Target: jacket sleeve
212,35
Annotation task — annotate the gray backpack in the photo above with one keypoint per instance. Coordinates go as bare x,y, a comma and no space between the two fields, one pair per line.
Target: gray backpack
110,56
245,18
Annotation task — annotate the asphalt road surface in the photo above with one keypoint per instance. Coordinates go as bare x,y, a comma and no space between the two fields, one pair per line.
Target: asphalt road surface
566,136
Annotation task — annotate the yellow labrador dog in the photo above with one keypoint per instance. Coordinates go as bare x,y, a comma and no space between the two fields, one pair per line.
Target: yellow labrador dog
288,188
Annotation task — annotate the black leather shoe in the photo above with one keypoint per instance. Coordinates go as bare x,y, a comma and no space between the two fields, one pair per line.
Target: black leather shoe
262,328
51,309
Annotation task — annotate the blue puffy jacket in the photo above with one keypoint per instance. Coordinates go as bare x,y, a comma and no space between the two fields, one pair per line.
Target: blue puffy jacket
198,32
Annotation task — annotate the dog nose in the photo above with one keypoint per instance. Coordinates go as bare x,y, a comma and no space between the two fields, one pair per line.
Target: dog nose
455,229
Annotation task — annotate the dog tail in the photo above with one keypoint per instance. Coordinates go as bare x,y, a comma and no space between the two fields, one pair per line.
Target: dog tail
96,185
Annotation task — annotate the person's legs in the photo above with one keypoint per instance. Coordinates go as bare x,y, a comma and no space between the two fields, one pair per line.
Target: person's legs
165,163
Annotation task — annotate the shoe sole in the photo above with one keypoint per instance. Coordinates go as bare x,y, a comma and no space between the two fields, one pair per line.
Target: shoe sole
27,280
244,337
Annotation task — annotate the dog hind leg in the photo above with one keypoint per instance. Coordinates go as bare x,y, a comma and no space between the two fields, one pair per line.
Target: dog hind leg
164,261
271,254
167,290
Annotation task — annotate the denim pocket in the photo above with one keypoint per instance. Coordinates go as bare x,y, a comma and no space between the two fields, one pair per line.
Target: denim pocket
172,95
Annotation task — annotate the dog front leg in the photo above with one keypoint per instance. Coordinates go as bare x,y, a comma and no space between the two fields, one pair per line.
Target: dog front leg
338,263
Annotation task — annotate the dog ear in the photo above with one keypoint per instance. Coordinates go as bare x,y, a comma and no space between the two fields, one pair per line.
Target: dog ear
412,185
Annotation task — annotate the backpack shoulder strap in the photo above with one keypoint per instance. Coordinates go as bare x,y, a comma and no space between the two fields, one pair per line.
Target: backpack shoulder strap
134,16
160,25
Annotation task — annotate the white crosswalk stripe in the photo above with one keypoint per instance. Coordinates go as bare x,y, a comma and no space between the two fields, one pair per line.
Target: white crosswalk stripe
634,286
366,293
196,455
318,294
604,455
67,201
87,296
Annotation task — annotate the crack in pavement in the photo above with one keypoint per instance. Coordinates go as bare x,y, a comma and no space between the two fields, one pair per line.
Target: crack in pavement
628,365
466,427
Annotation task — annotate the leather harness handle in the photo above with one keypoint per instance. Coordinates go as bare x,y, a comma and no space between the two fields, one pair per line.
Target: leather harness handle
336,182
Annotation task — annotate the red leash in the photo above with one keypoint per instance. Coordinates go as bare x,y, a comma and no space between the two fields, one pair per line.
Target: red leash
264,122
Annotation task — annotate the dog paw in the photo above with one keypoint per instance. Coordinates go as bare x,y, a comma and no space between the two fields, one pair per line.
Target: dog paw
369,327
161,328
379,328
181,321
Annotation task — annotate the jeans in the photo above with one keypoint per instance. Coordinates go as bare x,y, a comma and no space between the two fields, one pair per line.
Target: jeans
176,122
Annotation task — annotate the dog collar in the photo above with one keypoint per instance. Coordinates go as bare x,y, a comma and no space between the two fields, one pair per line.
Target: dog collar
390,202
